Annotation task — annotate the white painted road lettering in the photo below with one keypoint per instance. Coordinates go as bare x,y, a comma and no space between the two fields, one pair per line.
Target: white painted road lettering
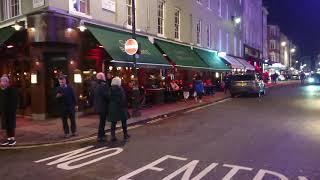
151,166
66,159
89,155
234,171
188,169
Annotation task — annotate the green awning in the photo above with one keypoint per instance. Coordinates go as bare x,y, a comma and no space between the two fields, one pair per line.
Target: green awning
181,55
6,33
212,59
113,42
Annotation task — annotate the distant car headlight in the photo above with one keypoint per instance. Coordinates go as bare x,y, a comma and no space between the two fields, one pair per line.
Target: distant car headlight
311,80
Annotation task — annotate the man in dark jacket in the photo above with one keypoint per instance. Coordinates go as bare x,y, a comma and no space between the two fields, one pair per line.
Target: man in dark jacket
101,104
67,102
8,107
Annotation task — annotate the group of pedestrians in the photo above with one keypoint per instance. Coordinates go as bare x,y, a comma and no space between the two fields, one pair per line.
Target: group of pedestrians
110,102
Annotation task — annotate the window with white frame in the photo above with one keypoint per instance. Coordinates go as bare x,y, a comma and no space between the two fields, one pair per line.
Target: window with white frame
177,16
11,8
272,44
209,4
161,6
199,24
227,42
129,12
240,48
227,11
272,57
209,36
220,40
220,7
81,6
235,46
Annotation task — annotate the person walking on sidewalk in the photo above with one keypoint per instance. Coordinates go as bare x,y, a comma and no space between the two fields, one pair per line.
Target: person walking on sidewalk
118,108
101,103
67,103
302,78
8,107
227,83
198,88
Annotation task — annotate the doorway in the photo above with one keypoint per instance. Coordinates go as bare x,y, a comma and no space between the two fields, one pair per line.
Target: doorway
56,64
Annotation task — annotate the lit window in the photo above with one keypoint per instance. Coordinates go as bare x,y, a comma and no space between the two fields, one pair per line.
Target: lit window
177,23
199,32
161,17
81,6
11,8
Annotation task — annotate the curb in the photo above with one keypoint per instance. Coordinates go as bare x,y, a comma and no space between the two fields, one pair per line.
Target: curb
130,126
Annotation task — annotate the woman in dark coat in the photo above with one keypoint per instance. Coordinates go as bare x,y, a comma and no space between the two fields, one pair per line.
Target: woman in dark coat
8,107
118,108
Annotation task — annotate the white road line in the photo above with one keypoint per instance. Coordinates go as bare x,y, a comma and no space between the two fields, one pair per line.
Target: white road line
206,106
154,121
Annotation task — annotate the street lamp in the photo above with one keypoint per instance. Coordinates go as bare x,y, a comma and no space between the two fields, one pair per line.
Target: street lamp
293,50
283,44
136,90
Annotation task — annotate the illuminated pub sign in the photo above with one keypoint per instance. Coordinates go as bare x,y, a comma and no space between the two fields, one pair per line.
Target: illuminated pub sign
250,53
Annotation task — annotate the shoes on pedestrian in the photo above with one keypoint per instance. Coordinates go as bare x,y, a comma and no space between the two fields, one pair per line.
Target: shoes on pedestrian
101,139
126,136
114,139
74,134
66,136
12,142
5,143
200,101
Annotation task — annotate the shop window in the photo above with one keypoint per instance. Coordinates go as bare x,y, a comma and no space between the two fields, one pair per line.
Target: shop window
11,8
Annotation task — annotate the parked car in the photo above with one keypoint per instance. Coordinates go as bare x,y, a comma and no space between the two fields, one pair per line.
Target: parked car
295,77
282,77
247,84
313,79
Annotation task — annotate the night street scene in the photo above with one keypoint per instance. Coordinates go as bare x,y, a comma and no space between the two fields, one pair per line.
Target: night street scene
159,90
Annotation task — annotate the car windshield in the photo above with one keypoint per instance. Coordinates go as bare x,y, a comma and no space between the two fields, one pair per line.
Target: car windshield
243,78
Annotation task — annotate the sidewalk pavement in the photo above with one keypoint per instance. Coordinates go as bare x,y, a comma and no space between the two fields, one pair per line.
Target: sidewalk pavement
32,133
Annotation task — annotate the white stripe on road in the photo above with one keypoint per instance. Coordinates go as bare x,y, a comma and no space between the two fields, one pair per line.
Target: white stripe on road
206,106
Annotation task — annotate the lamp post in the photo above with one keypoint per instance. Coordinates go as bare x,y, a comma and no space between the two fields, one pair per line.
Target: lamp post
136,90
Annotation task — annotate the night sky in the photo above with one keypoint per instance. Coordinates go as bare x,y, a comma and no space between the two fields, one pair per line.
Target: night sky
299,20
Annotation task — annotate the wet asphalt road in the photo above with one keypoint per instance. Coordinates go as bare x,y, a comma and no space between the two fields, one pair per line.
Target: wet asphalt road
278,135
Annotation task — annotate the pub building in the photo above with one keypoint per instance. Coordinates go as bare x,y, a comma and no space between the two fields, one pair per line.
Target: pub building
36,50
